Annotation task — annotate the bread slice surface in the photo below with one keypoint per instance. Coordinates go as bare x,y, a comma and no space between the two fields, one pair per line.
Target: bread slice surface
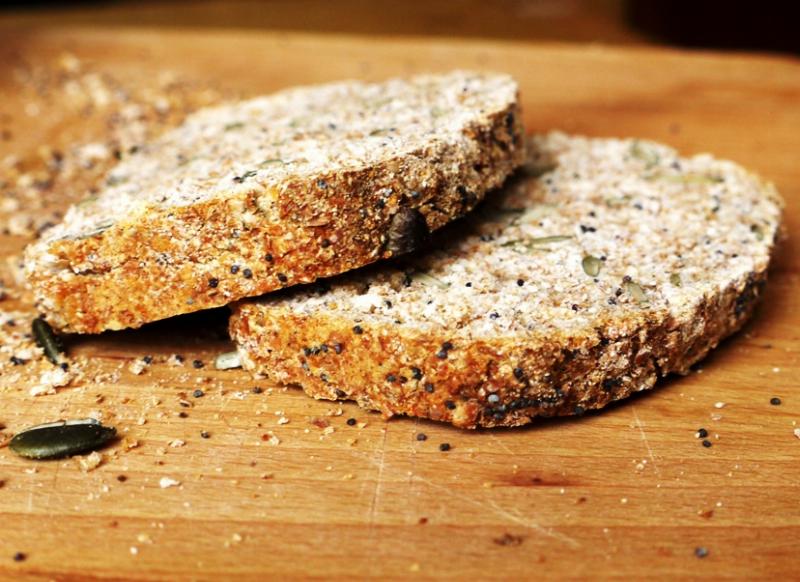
257,195
609,264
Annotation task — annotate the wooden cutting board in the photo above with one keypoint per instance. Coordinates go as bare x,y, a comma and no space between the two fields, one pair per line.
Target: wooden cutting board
626,492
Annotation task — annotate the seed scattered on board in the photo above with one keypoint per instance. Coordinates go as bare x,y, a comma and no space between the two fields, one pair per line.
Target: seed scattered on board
47,340
61,439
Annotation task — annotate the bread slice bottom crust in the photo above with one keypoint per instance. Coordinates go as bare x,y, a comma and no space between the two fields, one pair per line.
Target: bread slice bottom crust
484,383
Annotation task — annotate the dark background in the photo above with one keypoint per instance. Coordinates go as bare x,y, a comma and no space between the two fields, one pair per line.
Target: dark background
768,25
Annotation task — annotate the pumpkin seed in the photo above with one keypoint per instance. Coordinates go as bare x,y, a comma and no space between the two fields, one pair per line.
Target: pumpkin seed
591,265
636,291
47,340
430,280
228,361
675,279
757,230
55,440
408,230
646,153
531,244
535,170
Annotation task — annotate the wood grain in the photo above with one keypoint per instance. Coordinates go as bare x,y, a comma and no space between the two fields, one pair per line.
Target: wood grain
626,492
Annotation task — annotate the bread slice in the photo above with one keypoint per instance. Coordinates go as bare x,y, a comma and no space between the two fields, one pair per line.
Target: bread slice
609,264
253,196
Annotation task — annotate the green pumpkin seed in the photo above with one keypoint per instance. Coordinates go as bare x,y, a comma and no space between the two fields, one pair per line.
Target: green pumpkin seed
429,280
536,244
591,265
636,291
61,439
675,279
646,153
758,231
228,361
47,340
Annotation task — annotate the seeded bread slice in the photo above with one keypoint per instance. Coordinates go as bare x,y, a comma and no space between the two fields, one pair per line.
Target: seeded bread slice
253,196
610,263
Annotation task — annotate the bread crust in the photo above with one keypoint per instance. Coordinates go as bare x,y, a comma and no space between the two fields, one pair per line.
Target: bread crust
476,379
180,259
535,377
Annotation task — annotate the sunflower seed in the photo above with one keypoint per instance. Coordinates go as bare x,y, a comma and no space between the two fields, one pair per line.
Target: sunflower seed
591,265
47,340
228,361
61,439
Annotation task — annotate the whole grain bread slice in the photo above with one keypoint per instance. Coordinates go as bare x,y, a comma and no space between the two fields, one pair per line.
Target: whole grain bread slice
262,194
610,263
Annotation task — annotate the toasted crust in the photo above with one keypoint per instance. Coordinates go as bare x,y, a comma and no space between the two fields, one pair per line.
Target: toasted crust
214,231
568,339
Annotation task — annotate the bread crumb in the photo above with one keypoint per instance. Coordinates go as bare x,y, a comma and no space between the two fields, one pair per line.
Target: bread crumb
271,439
167,482
797,432
719,405
176,443
138,366
90,462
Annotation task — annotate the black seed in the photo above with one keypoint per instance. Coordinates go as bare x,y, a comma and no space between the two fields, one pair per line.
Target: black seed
20,557
47,339
702,433
247,274
422,436
357,330
701,552
325,243
444,447
706,443
17,361
519,374
61,439
183,414
198,393
520,282
574,307
269,258
148,360
282,278
450,405
775,401
257,390
494,315
198,364
64,366
122,478
391,378
416,373
234,269
351,422
213,282
407,231
579,410
205,434
322,184
428,387
337,348
340,393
